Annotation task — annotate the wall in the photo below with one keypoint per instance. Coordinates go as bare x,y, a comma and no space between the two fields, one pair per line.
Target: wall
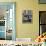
27,30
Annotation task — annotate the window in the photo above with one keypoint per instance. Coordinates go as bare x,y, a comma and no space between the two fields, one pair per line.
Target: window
7,21
42,22
42,1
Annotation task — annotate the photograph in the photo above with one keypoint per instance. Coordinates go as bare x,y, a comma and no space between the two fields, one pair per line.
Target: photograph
27,16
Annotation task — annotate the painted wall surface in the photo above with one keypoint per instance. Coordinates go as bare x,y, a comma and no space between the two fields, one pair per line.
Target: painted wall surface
27,30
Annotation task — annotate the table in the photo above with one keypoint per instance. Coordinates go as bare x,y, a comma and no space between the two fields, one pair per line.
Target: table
16,43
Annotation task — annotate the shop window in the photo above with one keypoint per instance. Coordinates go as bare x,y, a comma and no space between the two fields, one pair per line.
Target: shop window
7,21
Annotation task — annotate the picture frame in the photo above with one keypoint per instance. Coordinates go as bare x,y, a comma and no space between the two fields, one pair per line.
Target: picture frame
27,16
42,1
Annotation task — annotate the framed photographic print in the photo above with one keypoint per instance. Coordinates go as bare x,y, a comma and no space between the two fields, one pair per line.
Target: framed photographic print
7,20
27,16
42,1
